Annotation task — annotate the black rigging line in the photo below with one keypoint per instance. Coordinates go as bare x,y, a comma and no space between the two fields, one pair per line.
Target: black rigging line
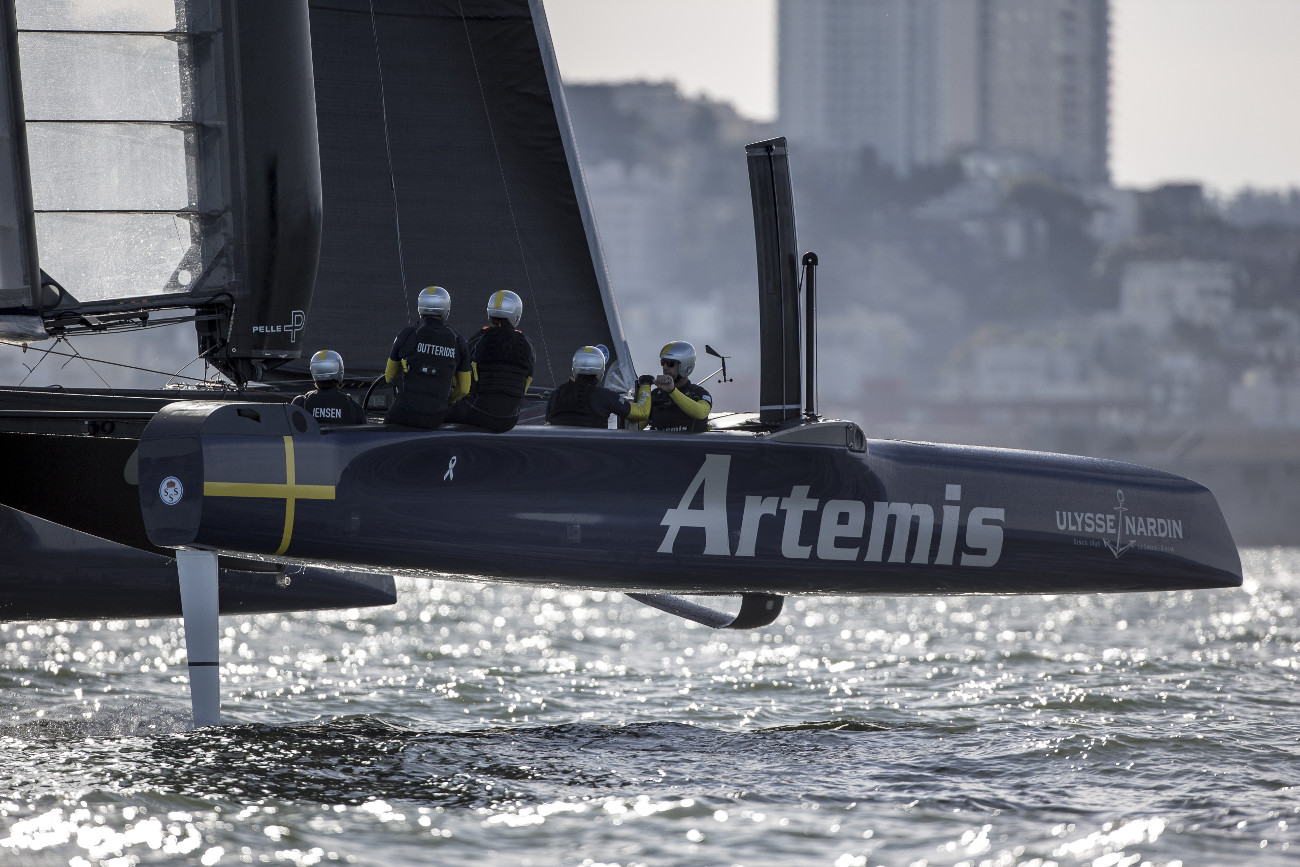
71,356
514,220
203,355
392,180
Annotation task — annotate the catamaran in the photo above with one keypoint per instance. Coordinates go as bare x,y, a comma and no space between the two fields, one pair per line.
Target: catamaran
327,158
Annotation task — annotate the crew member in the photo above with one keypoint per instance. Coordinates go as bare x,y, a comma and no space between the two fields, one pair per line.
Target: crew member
677,404
430,362
501,363
328,404
583,402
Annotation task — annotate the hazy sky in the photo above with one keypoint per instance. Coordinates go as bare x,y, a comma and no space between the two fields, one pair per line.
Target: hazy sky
1200,89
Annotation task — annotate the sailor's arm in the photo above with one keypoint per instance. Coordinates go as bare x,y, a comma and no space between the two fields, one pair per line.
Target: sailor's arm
463,379
393,368
640,410
697,409
397,365
459,386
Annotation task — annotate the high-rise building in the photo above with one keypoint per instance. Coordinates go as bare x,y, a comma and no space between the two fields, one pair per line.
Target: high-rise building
921,81
1045,83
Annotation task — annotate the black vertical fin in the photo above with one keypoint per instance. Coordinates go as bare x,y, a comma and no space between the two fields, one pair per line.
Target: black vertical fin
780,394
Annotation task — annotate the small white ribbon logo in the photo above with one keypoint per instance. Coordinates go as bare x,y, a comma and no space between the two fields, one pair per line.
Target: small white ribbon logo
450,475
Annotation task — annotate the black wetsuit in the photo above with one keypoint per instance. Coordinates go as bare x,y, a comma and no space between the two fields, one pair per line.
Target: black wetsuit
585,404
668,416
433,353
328,405
503,360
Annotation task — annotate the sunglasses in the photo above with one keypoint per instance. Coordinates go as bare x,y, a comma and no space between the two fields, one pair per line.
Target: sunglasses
666,363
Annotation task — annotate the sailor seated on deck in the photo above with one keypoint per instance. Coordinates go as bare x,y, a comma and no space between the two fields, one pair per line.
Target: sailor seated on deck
501,360
677,404
582,402
430,362
328,404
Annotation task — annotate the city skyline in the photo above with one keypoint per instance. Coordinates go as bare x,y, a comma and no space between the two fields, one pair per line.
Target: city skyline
1199,87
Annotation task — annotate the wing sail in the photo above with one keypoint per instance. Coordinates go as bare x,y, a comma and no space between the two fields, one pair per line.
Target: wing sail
447,158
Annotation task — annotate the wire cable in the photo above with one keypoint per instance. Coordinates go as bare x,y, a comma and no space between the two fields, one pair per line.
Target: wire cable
392,179
514,220
71,356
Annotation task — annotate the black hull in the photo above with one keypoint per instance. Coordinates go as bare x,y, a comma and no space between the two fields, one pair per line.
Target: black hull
73,544
52,572
803,510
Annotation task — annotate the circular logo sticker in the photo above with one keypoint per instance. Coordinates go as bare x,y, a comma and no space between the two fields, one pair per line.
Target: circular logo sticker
171,490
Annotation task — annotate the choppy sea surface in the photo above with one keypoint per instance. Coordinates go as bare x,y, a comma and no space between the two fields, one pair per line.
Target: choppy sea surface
493,724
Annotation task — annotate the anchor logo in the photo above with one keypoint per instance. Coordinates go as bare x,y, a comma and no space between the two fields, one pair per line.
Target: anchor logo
1118,547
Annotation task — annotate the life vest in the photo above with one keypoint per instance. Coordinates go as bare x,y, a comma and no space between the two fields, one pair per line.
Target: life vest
572,406
665,415
503,362
503,358
331,406
430,353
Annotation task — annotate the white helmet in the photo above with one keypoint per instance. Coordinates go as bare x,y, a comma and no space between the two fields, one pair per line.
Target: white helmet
505,305
681,352
589,361
434,301
326,366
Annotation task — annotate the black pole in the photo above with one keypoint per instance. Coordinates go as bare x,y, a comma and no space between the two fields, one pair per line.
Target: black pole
810,329
20,165
776,244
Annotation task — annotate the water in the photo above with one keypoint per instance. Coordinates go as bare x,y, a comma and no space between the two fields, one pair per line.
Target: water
488,724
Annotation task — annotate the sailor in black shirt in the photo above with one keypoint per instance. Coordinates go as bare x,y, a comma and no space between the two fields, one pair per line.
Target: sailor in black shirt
430,362
582,402
327,404
677,404
501,360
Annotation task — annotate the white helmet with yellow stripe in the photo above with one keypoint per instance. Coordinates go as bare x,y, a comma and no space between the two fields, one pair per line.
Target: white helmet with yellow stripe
505,305
434,301
326,366
589,361
681,352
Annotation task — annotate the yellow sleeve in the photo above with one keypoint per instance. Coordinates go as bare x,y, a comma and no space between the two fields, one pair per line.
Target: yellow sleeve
527,382
459,386
640,412
693,408
392,368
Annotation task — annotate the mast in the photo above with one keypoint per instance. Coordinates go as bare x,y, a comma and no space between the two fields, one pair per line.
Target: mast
20,281
275,200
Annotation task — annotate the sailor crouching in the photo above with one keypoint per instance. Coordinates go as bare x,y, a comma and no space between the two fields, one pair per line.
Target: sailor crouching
328,404
583,402
430,361
677,404
501,362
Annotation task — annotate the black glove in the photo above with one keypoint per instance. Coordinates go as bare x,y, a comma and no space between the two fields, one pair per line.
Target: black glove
646,379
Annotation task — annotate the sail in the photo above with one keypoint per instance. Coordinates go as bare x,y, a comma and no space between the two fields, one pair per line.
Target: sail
19,272
173,165
447,159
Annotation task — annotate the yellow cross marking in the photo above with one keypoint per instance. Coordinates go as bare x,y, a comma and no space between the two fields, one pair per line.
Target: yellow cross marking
290,491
